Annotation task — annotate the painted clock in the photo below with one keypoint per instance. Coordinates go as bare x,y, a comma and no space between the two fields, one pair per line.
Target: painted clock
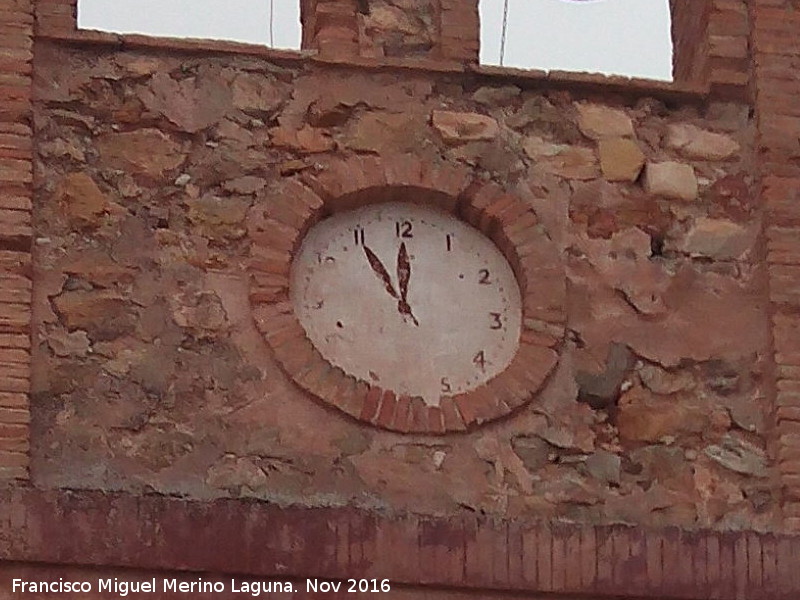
408,298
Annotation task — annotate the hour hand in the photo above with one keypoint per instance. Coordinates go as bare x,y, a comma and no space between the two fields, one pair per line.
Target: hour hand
380,271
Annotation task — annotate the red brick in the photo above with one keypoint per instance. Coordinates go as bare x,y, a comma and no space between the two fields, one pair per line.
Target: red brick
11,400
402,414
418,421
405,169
14,416
269,260
292,212
506,399
788,573
16,317
448,179
268,294
313,373
514,552
16,445
395,535
14,355
325,387
13,473
727,584
20,203
273,234
452,418
11,384
478,199
489,215
741,564
713,567
13,431
388,407
290,331
605,559
356,403
572,557
654,561
294,355
16,16
271,316
326,184
791,484
478,550
372,168
468,408
435,420
344,397
786,427
371,406
769,553
530,555
13,459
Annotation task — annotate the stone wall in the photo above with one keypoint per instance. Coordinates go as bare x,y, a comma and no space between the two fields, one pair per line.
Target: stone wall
157,162
149,374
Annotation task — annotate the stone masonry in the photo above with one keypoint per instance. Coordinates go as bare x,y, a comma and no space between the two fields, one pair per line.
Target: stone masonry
155,190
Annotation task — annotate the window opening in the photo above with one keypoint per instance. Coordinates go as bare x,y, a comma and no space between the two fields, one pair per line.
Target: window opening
274,23
614,37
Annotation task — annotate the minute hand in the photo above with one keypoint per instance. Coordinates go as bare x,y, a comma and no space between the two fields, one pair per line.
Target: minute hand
380,271
403,277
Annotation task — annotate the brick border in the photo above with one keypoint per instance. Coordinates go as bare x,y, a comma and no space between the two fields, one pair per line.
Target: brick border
16,178
466,552
774,42
278,223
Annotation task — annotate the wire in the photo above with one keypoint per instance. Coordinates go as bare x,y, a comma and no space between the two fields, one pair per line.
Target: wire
272,23
503,35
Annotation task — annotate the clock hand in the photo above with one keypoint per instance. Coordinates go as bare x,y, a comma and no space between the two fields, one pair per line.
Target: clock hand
380,271
403,271
403,277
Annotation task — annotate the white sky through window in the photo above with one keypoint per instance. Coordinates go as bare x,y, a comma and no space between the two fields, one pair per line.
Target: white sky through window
625,37
237,20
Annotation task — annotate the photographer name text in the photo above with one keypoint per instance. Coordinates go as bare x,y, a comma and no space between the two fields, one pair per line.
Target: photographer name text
121,587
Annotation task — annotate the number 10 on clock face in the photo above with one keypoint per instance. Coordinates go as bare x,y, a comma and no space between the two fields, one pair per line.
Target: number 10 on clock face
408,298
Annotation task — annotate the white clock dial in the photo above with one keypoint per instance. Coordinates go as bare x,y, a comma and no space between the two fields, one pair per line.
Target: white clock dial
407,298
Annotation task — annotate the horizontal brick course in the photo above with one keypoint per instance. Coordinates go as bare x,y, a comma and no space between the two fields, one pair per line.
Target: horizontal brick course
464,552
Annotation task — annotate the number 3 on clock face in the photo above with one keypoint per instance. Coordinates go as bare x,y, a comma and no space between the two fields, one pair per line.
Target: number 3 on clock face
407,298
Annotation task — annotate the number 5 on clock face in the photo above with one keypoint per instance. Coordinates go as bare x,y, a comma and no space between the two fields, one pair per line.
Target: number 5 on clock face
413,300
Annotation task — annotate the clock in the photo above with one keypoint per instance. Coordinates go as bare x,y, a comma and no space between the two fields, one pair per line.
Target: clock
406,296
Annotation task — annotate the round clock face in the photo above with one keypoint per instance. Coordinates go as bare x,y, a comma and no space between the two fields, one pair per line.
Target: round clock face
407,298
